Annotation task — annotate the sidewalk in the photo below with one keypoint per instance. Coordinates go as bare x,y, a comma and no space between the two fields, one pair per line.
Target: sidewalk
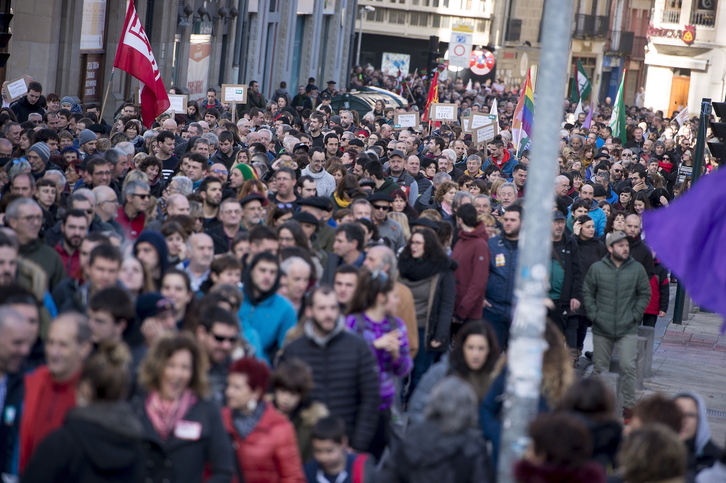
692,357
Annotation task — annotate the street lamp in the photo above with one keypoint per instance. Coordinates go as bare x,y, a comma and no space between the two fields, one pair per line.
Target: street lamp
362,12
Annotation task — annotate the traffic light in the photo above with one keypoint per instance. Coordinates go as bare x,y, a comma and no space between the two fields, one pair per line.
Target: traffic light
434,54
718,149
6,16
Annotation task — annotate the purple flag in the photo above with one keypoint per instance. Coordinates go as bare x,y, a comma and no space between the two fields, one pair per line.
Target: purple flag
588,119
688,236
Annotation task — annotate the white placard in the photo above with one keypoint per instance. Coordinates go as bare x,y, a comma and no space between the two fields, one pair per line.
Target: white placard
486,133
405,119
178,104
480,120
16,89
234,93
444,112
466,124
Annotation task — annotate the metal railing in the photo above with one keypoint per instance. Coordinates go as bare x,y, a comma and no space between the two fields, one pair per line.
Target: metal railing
671,16
703,18
591,26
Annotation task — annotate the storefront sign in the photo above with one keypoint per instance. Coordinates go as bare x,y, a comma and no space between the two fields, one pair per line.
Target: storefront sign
687,35
92,83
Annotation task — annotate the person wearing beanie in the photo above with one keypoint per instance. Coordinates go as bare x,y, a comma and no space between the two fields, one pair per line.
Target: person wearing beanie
87,140
38,156
150,248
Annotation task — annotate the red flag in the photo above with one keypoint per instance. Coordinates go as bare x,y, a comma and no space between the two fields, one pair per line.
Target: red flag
433,97
134,56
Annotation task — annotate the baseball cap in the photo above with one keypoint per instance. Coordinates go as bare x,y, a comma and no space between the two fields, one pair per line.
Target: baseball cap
559,215
615,237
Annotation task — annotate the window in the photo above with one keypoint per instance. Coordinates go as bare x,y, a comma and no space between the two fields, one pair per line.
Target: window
419,19
397,16
441,21
377,16
482,25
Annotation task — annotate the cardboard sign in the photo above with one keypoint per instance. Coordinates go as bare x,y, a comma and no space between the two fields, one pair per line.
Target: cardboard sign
178,104
234,94
480,120
15,89
486,133
444,112
466,124
405,119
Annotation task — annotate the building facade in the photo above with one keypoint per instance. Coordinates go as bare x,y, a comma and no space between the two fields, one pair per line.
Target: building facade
69,45
686,57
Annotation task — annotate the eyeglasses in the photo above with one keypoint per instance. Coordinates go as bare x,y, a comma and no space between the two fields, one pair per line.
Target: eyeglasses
220,171
142,196
103,173
114,201
31,218
221,338
381,208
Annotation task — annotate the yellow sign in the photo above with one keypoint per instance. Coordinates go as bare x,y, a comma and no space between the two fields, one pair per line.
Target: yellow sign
460,27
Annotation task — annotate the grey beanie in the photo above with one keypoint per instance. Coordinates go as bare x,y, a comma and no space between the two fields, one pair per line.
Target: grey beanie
42,150
86,136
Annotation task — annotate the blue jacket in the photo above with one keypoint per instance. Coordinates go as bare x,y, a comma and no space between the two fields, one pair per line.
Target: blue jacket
502,272
271,318
598,217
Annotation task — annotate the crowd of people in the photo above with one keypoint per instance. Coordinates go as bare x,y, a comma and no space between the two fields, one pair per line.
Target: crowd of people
310,295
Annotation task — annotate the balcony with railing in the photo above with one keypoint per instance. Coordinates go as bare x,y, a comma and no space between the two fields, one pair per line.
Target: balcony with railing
671,16
591,26
703,18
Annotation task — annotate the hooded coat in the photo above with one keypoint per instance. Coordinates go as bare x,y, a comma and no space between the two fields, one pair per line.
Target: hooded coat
268,313
702,452
472,254
98,443
428,455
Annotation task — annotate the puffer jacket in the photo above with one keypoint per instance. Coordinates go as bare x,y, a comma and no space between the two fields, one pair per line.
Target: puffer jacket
616,297
269,454
502,271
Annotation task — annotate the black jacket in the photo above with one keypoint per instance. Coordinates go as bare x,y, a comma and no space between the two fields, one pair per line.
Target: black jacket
346,378
641,253
569,255
184,461
10,427
99,443
22,108
429,456
591,251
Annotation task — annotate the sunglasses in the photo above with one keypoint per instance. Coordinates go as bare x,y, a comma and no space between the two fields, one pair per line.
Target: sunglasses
221,339
283,206
381,208
143,197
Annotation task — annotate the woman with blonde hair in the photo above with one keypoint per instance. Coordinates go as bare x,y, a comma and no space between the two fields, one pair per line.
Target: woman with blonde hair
402,220
490,224
182,427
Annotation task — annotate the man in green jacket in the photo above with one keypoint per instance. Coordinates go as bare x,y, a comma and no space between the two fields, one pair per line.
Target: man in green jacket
616,293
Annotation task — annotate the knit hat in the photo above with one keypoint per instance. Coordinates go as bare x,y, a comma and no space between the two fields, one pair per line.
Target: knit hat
42,150
247,171
86,136
158,241
151,305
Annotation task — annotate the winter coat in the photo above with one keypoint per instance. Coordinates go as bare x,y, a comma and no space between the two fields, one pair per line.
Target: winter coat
178,460
702,451
591,251
269,454
606,438
714,474
304,419
569,255
22,108
345,374
10,429
99,443
660,291
429,456
502,272
438,325
44,256
420,396
528,472
271,318
471,252
616,297
324,181
387,187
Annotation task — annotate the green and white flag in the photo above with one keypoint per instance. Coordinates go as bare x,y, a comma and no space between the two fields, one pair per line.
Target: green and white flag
583,83
617,120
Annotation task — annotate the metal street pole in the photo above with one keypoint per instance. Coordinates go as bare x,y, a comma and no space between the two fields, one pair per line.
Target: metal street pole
527,344
360,35
678,305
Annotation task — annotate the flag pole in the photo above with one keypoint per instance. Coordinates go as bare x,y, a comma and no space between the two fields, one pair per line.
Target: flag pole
678,305
105,95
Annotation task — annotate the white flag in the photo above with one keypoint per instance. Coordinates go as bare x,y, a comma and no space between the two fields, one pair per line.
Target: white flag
682,116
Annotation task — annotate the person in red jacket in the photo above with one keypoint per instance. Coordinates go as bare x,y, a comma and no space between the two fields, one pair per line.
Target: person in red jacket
50,391
263,438
660,290
472,253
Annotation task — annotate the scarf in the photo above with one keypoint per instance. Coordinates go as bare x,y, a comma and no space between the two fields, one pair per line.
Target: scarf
341,203
164,415
417,269
667,167
446,207
246,423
